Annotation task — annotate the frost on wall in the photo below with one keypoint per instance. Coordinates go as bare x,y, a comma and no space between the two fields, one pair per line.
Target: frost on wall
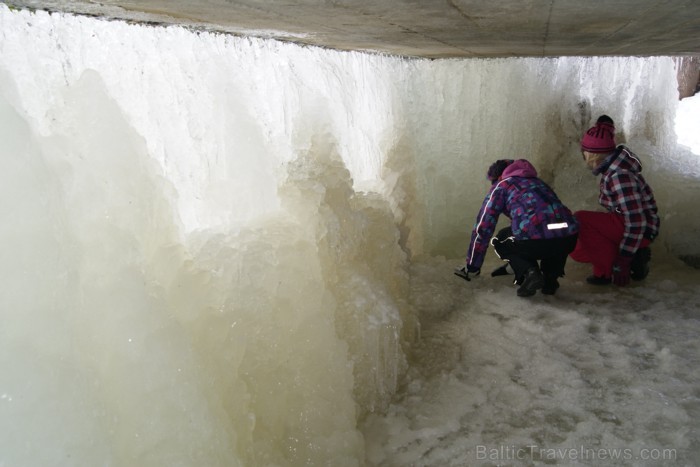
193,278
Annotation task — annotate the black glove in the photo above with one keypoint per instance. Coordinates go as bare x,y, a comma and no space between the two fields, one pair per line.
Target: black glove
464,272
504,270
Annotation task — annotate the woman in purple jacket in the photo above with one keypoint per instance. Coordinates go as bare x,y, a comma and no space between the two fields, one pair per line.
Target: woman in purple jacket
542,228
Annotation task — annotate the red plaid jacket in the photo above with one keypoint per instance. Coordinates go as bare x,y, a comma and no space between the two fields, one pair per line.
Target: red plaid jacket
624,191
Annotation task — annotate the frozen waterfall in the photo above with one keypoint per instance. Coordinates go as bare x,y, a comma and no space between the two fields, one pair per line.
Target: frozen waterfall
227,251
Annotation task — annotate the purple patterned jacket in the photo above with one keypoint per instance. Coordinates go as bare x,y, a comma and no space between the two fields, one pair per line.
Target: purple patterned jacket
534,209
624,191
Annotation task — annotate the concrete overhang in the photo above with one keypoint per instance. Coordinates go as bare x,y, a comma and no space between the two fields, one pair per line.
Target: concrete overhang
429,28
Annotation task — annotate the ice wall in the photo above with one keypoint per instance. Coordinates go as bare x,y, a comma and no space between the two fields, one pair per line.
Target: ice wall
538,109
206,238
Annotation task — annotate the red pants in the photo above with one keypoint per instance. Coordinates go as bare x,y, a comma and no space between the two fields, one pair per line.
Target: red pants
599,237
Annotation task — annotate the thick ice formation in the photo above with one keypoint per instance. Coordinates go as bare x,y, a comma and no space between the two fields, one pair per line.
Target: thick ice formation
207,238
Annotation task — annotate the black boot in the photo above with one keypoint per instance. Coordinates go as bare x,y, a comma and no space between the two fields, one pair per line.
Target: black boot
532,282
551,284
598,280
639,269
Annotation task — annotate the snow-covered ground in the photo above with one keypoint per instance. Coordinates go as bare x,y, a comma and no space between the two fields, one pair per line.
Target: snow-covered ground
591,376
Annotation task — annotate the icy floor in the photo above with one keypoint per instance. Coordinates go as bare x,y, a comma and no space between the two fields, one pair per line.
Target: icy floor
591,376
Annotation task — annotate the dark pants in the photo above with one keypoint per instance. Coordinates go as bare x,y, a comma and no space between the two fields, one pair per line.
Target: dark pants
524,254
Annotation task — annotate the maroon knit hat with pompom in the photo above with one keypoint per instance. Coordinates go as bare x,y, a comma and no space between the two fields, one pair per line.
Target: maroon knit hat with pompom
600,138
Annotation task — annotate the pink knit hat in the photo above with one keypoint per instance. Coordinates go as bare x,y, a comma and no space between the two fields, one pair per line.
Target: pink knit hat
599,139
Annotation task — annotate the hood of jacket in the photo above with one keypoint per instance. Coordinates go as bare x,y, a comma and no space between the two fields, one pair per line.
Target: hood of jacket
520,168
622,160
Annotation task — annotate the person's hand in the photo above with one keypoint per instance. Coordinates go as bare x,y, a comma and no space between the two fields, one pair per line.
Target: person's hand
504,270
621,270
464,272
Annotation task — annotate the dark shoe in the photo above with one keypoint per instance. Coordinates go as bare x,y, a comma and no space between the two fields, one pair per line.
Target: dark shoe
598,280
532,282
639,269
550,287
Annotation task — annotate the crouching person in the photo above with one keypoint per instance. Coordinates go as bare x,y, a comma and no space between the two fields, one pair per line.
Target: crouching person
616,242
542,232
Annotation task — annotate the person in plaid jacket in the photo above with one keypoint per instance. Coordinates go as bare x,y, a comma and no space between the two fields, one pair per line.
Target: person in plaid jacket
616,242
541,229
